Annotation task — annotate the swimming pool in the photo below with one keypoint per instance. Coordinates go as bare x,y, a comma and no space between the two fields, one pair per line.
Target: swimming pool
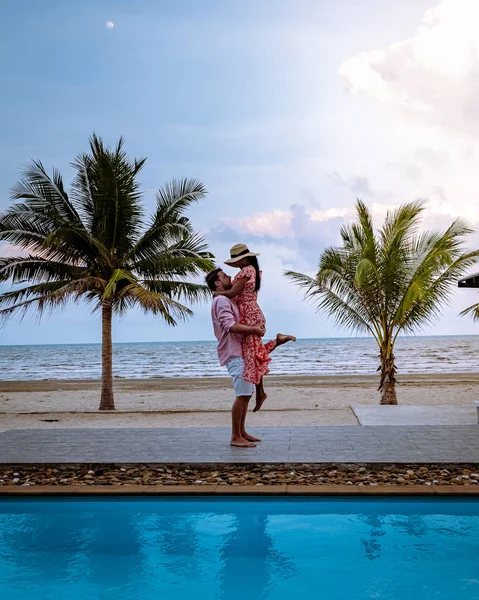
256,548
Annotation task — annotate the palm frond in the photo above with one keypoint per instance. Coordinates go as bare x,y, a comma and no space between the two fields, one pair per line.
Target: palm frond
168,309
473,311
436,293
192,292
45,194
187,257
47,236
41,297
331,301
119,279
33,268
169,225
305,282
400,225
107,194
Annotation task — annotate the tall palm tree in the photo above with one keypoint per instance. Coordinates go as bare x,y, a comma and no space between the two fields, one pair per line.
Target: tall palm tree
94,244
392,281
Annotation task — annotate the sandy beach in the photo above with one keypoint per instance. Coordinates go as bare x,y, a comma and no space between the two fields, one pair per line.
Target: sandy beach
206,402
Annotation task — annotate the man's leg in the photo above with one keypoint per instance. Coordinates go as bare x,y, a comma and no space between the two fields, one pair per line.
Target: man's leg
244,433
238,416
243,393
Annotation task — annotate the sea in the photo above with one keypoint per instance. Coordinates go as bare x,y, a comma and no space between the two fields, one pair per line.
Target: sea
324,356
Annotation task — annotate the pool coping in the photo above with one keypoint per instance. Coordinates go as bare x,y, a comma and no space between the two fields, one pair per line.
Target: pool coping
238,490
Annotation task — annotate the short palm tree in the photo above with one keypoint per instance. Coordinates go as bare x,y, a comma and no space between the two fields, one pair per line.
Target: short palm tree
93,244
392,281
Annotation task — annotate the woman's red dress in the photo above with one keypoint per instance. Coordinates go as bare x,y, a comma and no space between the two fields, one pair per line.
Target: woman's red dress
255,353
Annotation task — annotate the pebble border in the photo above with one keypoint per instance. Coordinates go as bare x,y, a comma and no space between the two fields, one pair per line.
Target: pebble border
252,479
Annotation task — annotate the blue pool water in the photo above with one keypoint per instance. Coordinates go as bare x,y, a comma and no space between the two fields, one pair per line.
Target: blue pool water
252,548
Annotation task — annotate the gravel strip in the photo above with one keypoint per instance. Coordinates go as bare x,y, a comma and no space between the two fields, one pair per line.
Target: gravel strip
299,474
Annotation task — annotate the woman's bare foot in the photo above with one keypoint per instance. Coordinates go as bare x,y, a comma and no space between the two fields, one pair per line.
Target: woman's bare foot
242,443
250,438
260,398
281,339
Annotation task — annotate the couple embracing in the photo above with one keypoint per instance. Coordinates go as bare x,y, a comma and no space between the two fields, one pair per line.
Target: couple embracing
239,326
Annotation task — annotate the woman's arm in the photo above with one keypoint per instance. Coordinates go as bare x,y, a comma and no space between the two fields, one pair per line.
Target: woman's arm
235,290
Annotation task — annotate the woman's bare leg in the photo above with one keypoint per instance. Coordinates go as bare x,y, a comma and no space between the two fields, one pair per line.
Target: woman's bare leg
282,338
260,396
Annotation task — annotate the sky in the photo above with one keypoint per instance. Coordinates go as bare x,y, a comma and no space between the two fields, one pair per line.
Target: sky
286,111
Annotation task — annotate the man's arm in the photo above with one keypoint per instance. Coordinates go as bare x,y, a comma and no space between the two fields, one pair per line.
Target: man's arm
247,330
227,319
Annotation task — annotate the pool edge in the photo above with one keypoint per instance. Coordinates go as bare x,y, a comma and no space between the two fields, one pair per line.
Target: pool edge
238,490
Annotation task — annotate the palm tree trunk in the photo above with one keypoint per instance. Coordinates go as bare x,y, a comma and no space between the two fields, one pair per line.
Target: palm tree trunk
387,384
107,401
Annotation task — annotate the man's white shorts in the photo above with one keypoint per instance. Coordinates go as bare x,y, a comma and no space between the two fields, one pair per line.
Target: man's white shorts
235,368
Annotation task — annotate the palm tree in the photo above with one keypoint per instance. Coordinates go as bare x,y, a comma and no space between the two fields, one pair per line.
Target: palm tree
93,244
392,281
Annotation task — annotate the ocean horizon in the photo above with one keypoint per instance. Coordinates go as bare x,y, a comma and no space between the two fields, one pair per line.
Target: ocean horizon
308,356
212,340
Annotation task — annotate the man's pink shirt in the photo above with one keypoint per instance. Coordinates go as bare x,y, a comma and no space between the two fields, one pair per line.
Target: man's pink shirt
225,314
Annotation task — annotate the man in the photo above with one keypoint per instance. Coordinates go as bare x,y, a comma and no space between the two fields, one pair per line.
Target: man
229,332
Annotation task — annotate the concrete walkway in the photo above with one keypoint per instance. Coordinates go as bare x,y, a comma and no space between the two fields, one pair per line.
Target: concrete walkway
406,444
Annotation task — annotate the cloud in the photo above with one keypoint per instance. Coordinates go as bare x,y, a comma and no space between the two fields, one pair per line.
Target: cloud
305,232
297,236
432,76
359,187
301,230
276,223
433,158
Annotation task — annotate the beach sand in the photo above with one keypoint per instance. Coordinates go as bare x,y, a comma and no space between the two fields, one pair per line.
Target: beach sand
206,402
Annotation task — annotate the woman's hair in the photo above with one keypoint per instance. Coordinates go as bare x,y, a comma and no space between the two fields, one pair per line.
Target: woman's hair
253,261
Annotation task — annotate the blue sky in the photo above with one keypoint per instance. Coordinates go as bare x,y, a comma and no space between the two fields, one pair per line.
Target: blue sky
287,111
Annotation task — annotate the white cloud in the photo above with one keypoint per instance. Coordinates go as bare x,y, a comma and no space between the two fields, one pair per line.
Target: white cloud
425,89
281,224
276,223
433,76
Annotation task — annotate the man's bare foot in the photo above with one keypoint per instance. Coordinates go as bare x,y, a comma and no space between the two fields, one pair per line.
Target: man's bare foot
281,339
250,438
260,398
242,443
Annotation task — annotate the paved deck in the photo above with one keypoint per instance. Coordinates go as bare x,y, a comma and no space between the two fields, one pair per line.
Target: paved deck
438,444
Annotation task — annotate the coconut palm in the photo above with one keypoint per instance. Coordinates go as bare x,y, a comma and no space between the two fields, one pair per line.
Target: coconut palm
396,280
93,244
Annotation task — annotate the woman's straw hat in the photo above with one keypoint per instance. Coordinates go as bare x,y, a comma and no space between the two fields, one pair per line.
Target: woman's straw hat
237,252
